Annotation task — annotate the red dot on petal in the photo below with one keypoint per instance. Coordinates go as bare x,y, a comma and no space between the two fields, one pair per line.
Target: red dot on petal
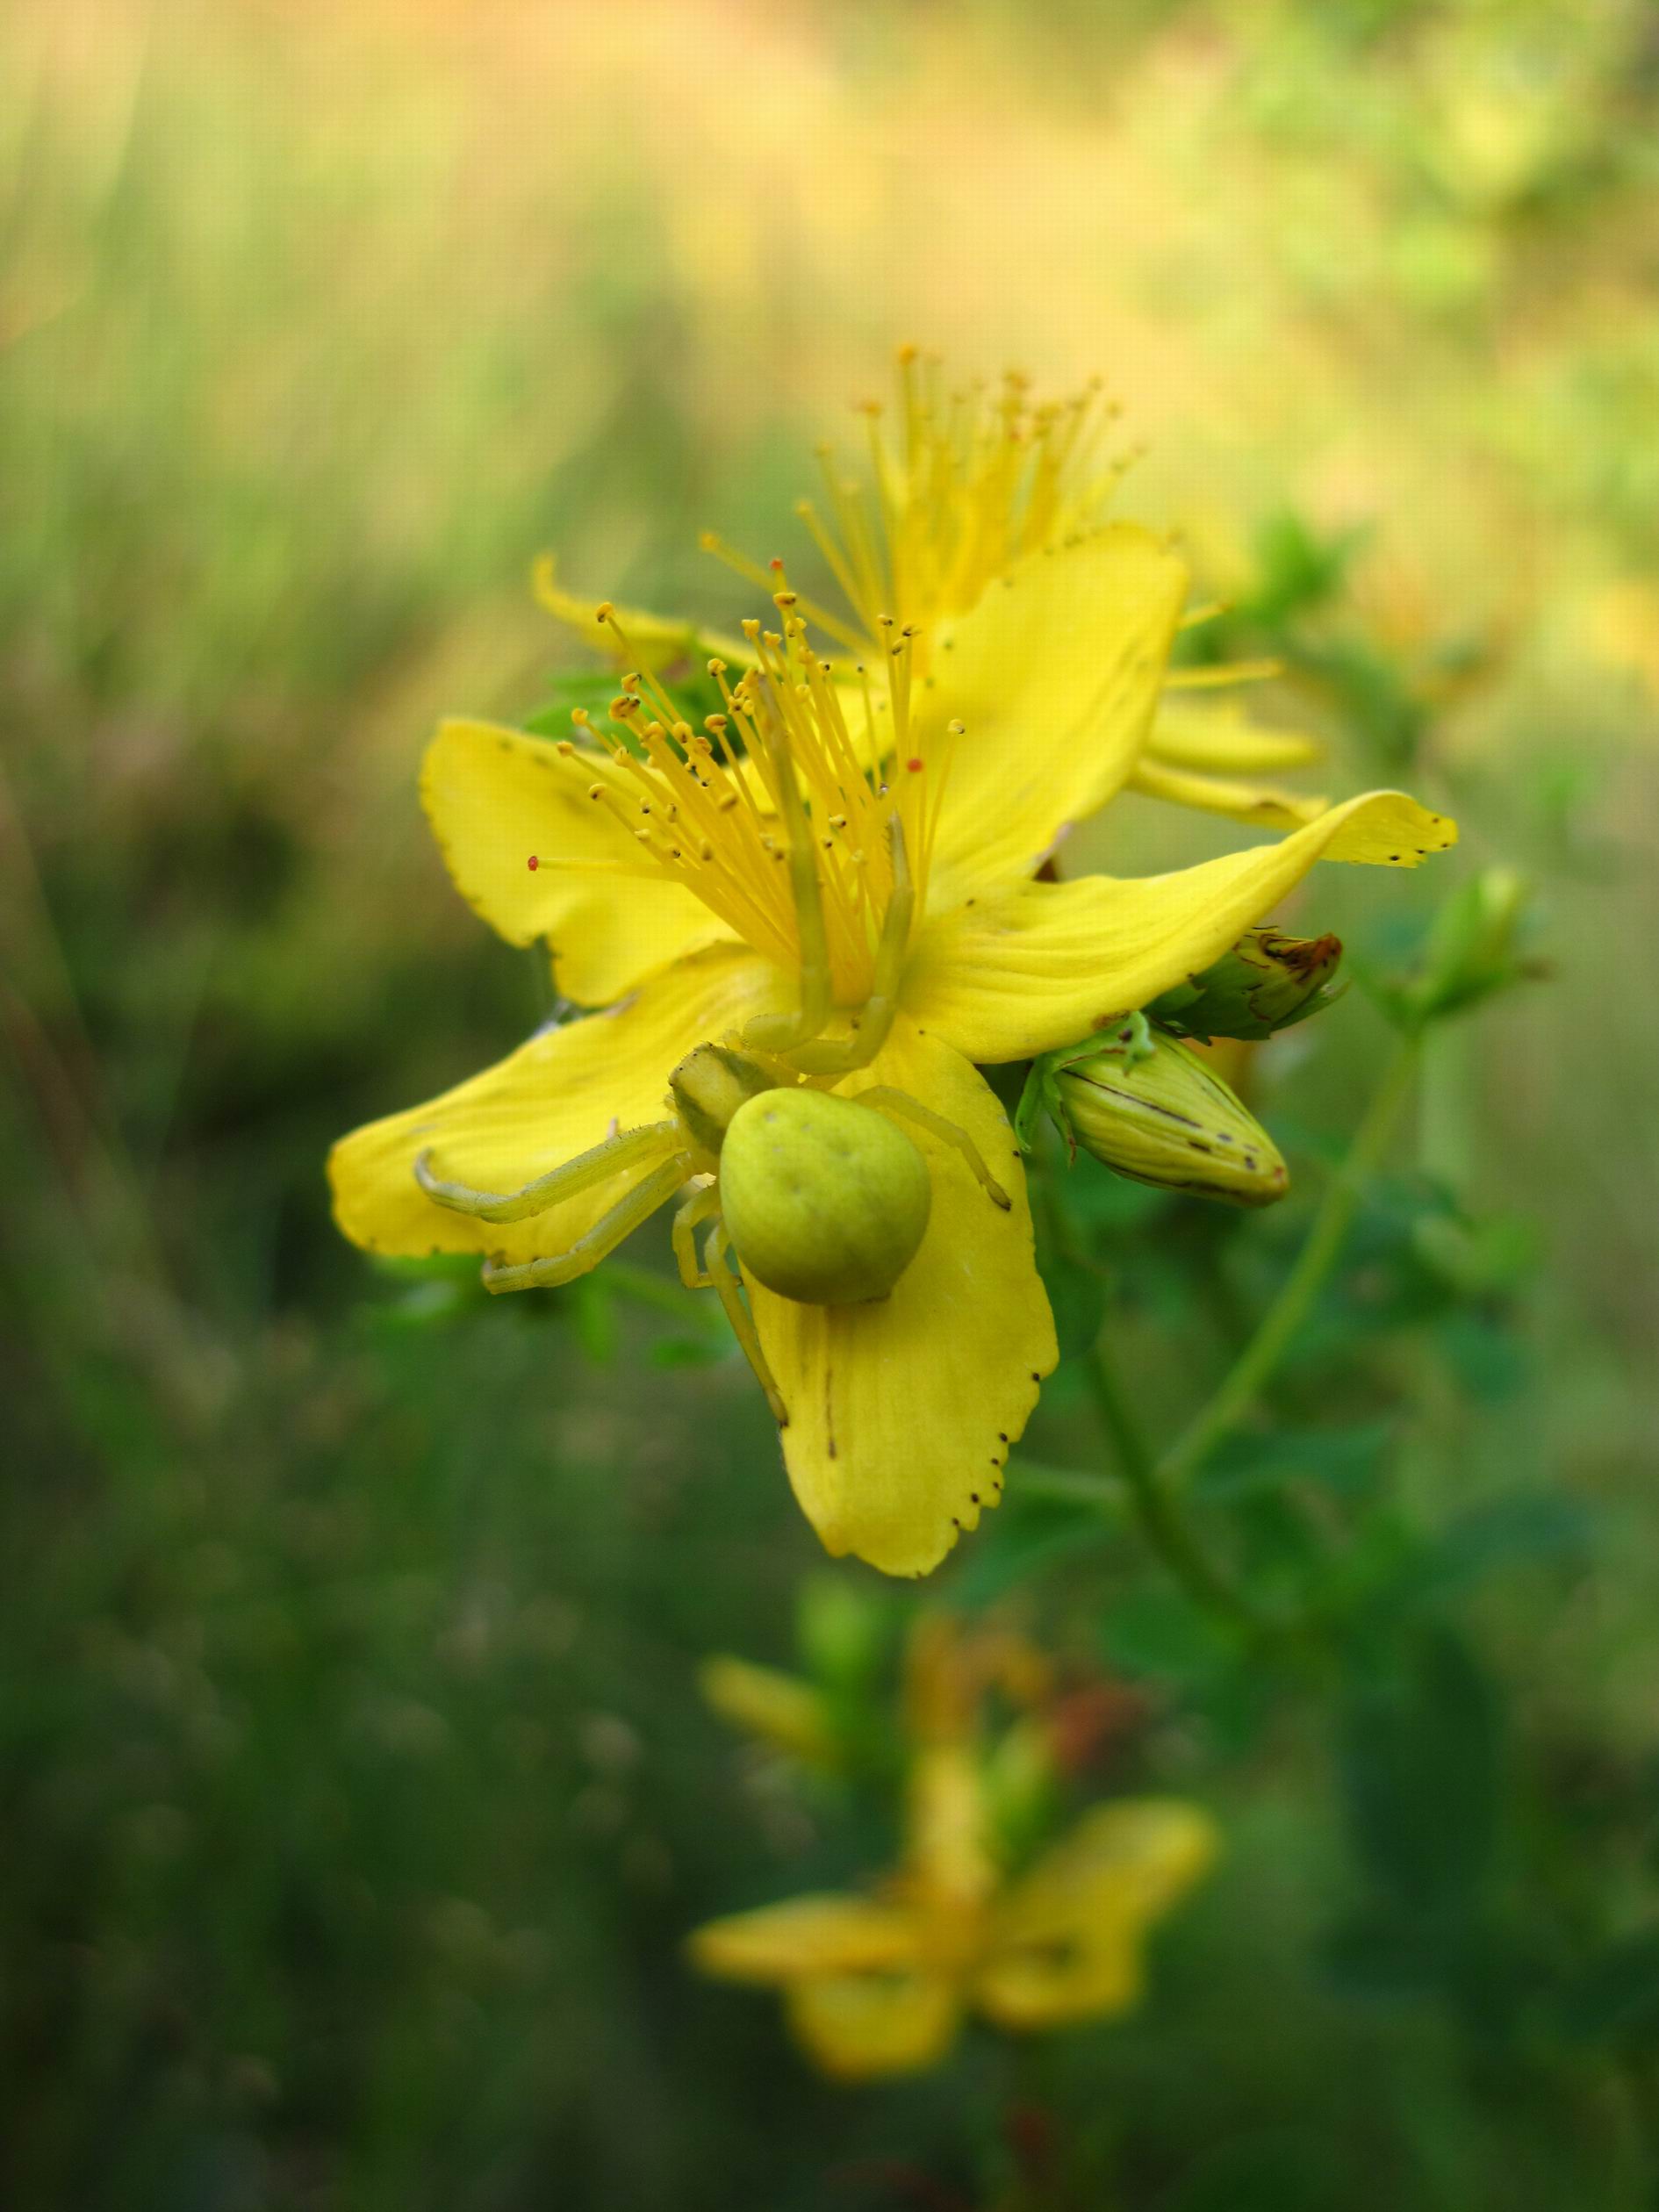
915,767
533,864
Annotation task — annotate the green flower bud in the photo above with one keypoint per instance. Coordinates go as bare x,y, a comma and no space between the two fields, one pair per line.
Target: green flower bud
1267,983
708,1087
840,1631
1165,1118
824,1200
1472,948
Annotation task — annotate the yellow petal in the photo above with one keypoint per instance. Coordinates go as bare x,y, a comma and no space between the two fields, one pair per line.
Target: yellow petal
1066,1941
857,2028
806,1936
494,797
783,1711
1262,805
557,1095
1222,741
654,641
1044,965
901,1413
1055,675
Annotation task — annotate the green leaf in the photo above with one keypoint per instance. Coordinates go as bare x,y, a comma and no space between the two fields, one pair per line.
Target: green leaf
1342,1459
1078,1296
1616,1999
1021,1540
1488,1358
1267,2169
591,689
1159,1631
1299,570
1421,1742
1110,1205
1509,1532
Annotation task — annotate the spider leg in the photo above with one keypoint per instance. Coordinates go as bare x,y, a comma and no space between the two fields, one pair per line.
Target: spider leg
728,1288
596,1165
603,1237
875,1024
697,1208
899,1105
782,1032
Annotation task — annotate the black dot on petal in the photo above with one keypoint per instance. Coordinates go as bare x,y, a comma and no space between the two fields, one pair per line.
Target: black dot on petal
1002,1436
974,1495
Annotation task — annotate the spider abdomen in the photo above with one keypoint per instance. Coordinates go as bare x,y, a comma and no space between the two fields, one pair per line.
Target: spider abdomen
825,1201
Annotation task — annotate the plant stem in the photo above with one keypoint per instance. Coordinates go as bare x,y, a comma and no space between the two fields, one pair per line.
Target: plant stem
1284,1318
1156,1511
1155,1508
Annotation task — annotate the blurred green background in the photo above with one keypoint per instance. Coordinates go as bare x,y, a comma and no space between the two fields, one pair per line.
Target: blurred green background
356,1789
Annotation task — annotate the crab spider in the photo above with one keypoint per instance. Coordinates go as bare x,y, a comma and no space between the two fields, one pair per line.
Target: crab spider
824,1199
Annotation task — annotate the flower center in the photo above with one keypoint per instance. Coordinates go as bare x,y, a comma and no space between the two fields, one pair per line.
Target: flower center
805,764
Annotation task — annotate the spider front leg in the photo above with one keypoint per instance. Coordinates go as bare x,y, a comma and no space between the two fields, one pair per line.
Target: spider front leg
603,1237
596,1165
783,1032
900,1106
699,1207
728,1290
861,1047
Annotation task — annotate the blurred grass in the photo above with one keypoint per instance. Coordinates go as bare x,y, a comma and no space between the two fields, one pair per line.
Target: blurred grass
356,1790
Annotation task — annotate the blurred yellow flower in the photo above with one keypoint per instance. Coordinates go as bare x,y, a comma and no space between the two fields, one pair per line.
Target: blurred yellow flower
878,1984
835,873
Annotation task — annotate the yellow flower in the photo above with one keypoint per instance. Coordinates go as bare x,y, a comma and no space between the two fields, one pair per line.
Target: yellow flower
878,1984
832,878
